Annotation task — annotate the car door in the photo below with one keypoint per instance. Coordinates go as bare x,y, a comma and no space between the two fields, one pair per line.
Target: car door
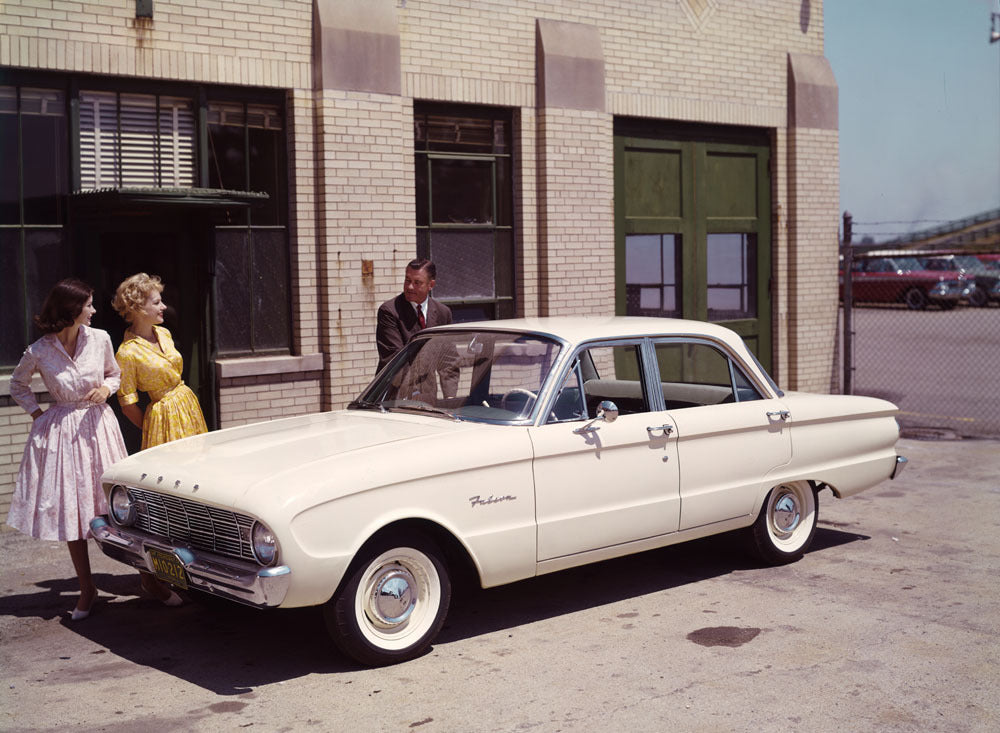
729,434
602,483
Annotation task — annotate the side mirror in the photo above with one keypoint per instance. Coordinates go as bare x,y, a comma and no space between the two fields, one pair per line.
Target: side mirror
608,411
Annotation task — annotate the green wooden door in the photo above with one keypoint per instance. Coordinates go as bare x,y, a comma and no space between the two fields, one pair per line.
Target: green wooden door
693,233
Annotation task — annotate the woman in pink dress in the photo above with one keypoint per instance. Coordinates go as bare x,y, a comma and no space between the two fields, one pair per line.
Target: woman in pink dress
58,488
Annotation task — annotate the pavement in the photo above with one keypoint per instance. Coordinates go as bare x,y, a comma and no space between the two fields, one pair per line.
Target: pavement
891,622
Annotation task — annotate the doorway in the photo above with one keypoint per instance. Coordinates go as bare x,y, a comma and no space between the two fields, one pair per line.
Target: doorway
178,250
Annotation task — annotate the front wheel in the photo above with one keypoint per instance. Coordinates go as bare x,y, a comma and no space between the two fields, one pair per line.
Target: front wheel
786,524
915,299
393,603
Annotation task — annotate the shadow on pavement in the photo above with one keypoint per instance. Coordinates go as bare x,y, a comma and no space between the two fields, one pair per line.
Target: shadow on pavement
231,649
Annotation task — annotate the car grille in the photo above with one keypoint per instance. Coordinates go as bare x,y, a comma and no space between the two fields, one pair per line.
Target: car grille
198,525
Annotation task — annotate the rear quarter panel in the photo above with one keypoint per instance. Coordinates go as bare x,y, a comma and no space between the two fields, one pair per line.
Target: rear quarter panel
845,441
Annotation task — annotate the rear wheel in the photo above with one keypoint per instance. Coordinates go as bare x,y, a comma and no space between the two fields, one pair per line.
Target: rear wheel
393,603
915,299
786,524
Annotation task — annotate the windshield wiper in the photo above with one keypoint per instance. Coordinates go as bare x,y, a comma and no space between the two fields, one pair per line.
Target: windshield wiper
366,405
424,407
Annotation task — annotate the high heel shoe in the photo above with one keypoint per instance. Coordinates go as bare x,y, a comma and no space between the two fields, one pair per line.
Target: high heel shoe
79,614
172,600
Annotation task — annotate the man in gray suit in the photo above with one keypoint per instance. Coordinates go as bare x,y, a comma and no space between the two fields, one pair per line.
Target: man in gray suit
409,312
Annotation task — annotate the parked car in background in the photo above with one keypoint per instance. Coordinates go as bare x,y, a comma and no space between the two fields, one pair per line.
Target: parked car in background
904,279
495,451
983,277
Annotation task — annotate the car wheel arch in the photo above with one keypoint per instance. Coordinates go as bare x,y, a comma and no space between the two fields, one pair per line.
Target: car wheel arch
457,555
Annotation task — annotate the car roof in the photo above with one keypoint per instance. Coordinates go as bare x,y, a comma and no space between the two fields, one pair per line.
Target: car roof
575,329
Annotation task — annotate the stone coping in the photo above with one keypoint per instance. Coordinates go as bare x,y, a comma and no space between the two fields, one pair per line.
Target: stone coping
260,365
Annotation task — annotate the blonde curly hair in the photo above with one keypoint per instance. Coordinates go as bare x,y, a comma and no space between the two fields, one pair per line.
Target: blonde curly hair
131,294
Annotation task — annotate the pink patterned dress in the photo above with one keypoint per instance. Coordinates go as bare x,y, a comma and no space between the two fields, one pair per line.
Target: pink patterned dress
58,488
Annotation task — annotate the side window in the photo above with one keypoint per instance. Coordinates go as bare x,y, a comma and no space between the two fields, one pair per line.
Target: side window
613,373
695,374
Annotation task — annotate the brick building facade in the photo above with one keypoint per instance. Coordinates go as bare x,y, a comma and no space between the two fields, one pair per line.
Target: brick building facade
357,117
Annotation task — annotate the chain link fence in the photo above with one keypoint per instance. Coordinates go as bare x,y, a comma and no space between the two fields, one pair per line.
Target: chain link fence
924,333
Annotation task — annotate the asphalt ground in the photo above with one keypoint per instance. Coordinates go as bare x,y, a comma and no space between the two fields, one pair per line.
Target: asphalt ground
939,366
891,623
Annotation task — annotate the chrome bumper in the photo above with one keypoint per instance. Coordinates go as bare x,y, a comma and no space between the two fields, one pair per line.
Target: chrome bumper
235,580
901,462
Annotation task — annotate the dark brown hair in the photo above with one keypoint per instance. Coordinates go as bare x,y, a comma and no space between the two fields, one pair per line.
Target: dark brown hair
425,265
63,304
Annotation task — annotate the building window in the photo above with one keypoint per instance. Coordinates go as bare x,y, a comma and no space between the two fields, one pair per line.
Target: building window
652,269
34,178
136,140
732,276
463,170
246,151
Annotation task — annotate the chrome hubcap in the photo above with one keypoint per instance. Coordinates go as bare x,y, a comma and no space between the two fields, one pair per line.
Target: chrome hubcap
786,515
393,597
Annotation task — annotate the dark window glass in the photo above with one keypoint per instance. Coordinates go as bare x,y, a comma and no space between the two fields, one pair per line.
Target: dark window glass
462,191
732,276
504,193
652,269
464,261
44,143
47,259
423,192
232,272
270,289
9,187
252,298
267,163
226,147
13,324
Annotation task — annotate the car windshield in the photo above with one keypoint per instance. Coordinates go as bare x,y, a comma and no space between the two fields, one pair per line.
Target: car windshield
907,263
968,262
486,376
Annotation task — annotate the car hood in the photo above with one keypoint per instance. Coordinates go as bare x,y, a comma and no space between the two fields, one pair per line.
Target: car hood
221,466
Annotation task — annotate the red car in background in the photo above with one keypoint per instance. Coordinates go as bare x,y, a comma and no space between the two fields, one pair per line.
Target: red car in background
904,279
982,271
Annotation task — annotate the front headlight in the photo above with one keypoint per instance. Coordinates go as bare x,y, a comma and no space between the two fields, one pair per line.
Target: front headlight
122,508
264,544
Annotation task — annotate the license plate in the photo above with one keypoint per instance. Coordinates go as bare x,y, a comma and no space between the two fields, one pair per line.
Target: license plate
168,568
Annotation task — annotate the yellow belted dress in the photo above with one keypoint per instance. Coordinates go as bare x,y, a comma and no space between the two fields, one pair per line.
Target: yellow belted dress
173,411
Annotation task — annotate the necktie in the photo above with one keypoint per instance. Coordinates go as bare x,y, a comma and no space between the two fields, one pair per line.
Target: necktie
420,317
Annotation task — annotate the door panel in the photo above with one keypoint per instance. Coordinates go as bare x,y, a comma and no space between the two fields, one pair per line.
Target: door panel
725,450
604,488
601,483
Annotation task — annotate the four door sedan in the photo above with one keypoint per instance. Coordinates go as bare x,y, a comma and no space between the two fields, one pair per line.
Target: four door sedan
501,450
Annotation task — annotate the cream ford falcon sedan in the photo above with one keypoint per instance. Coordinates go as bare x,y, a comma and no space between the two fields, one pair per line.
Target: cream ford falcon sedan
504,449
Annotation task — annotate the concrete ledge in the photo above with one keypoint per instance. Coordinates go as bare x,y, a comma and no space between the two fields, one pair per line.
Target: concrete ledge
812,93
356,46
37,385
258,365
570,63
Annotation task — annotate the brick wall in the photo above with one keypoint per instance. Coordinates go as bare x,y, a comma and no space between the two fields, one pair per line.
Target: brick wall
351,160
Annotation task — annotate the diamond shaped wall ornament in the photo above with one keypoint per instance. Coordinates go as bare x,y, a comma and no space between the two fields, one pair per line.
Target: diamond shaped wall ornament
699,11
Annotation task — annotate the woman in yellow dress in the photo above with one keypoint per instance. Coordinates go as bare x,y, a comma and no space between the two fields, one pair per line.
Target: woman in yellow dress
150,363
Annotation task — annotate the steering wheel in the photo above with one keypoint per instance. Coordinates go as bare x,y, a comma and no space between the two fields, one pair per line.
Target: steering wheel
517,391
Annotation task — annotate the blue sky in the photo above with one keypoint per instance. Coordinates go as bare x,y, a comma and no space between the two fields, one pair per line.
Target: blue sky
919,94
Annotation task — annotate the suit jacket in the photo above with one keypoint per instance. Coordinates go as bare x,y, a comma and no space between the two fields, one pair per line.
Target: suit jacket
397,322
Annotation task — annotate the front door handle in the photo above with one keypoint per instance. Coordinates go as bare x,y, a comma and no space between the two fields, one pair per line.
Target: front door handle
664,430
779,414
